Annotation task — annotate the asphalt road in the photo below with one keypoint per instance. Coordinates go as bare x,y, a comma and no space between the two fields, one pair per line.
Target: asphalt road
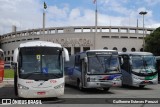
93,97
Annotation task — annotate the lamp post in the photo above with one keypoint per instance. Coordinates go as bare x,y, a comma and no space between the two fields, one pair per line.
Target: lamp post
143,13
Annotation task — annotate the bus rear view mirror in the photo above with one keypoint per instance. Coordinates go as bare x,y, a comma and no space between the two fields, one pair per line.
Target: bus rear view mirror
15,55
121,60
85,59
66,55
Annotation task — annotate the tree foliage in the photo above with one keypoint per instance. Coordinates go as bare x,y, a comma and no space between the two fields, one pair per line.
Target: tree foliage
152,42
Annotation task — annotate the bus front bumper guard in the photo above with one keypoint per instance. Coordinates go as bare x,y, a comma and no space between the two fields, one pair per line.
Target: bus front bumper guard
99,84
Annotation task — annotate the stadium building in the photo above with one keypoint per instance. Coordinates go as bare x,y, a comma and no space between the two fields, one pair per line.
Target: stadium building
78,38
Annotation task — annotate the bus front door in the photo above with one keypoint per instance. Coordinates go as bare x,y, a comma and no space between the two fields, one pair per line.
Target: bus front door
83,73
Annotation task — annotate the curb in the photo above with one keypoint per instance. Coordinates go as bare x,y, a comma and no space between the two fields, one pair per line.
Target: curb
8,81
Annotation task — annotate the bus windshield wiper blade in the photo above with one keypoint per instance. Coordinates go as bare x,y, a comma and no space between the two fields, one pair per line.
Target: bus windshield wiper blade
30,74
56,75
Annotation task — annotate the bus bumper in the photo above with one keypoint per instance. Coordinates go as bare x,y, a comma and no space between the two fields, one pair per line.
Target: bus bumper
103,84
137,82
117,83
40,93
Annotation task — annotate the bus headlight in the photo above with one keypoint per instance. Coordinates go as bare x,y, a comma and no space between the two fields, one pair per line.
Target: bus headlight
135,77
92,79
59,86
22,87
117,78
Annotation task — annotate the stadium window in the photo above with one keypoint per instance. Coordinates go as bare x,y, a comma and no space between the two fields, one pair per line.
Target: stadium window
105,48
8,52
141,50
69,50
133,49
115,48
8,58
12,51
76,50
86,48
124,49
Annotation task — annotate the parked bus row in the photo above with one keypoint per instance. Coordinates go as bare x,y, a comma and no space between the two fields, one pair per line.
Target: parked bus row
102,69
40,70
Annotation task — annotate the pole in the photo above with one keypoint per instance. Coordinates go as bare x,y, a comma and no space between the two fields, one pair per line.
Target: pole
143,13
143,32
95,27
43,24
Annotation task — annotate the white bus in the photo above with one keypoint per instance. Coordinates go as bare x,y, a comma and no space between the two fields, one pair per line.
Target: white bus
94,69
39,69
138,69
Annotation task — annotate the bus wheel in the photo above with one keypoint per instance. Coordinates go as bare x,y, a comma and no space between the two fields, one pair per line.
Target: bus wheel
79,84
106,89
141,86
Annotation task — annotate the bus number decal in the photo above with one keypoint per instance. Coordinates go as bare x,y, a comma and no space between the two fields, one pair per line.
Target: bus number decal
38,57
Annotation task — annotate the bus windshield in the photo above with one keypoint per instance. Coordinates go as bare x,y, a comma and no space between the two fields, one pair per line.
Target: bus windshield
103,64
40,61
140,62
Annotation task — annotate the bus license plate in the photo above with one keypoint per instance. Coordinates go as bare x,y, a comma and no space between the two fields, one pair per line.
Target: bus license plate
41,93
146,81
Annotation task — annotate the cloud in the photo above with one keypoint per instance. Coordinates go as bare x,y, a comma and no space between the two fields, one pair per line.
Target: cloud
21,13
27,14
114,6
54,12
154,25
152,2
75,13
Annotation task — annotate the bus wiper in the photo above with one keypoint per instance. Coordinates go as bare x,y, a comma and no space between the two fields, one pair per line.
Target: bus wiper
30,74
56,75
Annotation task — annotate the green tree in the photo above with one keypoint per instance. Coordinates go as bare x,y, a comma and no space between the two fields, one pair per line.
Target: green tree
152,42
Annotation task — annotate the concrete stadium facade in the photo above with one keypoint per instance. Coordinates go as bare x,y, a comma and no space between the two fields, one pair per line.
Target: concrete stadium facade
79,38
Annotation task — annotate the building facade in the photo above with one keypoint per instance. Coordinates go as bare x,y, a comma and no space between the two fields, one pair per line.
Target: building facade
79,38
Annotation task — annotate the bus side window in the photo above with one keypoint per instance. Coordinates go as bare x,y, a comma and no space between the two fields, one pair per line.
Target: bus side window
77,62
125,66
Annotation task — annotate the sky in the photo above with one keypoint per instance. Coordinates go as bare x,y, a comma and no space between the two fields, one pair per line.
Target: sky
28,14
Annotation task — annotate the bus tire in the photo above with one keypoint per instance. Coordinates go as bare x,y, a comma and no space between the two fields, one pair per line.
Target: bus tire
15,84
106,89
141,86
79,85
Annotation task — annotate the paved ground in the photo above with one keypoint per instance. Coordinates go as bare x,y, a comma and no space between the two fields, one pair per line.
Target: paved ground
91,96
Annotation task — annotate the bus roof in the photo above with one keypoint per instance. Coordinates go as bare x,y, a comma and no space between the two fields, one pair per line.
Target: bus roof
39,44
1,50
135,53
83,54
101,50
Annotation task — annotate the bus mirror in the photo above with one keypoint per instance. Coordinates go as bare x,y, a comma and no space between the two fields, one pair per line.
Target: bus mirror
130,61
121,60
85,59
15,55
66,55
